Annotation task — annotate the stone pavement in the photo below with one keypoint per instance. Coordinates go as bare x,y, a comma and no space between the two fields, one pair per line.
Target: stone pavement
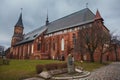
110,72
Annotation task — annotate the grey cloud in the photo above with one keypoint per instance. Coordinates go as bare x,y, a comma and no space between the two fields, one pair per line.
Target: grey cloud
34,13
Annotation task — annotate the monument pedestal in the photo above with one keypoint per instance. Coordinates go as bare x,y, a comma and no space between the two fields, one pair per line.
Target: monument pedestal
70,64
71,69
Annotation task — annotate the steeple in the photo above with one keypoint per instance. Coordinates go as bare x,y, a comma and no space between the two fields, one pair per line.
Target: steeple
18,31
47,21
98,16
19,23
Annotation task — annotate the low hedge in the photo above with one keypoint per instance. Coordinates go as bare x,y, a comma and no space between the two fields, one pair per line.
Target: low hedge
39,68
52,66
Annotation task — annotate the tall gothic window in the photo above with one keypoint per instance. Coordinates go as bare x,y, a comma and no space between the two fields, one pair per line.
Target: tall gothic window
39,46
74,40
53,45
46,47
62,44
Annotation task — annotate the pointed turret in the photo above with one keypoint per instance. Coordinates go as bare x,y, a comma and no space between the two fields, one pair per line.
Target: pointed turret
19,23
18,31
47,21
98,16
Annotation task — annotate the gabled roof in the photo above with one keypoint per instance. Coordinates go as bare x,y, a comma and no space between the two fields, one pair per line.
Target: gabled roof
32,35
19,23
77,18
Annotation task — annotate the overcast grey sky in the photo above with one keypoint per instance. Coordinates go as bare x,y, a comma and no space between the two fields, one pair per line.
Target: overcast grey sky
34,14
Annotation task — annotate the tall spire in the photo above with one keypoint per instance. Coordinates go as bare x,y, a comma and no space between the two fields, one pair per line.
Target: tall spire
19,23
98,16
47,21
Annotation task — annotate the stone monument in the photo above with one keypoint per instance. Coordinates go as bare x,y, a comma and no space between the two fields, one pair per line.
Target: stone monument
70,64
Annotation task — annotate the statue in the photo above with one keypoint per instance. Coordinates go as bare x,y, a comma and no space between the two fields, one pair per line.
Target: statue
70,64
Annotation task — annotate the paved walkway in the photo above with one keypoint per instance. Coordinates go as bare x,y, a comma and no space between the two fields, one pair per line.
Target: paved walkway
110,72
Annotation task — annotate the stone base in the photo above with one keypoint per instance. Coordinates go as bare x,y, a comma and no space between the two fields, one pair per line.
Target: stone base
71,69
71,77
49,74
45,75
58,71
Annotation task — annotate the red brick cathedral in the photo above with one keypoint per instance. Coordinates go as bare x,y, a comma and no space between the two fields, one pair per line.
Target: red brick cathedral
54,39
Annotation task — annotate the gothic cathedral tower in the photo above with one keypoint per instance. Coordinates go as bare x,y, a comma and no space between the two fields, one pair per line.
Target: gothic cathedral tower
18,31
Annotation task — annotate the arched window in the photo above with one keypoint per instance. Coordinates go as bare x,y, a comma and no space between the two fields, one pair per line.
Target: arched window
62,44
53,45
74,39
39,46
46,46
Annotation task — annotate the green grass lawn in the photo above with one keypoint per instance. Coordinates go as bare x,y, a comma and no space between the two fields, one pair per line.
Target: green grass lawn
19,69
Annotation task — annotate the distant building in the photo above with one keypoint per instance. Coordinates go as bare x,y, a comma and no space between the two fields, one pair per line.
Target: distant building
1,50
54,39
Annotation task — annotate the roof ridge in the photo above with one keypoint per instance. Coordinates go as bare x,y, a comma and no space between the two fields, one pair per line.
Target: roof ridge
71,14
58,19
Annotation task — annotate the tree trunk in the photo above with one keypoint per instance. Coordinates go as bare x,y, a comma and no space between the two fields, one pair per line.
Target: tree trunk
116,57
115,49
91,57
82,57
101,58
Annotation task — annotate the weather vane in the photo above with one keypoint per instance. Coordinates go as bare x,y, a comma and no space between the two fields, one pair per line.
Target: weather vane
21,9
86,5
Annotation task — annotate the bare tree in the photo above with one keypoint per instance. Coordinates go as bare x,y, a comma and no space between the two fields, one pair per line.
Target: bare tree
92,38
88,39
115,45
108,43
104,43
80,46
